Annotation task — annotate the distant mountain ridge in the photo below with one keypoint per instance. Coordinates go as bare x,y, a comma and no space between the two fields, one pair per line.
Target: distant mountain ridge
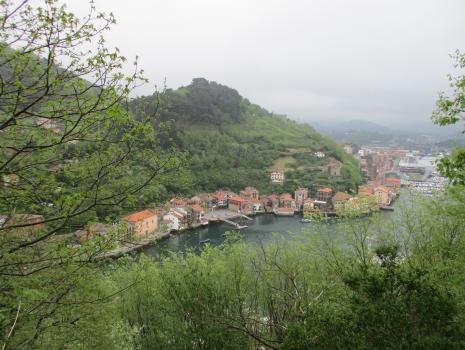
428,139
404,129
355,124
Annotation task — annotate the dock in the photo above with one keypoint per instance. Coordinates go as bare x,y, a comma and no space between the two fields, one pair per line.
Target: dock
232,223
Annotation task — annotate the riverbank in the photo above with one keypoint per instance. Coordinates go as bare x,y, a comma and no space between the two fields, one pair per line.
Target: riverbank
132,246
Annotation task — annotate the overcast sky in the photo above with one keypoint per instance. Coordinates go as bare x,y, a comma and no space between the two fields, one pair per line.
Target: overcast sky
380,60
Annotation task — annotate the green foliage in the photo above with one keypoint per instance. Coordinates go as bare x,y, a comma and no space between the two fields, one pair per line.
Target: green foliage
453,167
451,110
232,143
362,284
70,153
413,310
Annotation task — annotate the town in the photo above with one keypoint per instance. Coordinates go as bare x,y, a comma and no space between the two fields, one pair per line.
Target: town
379,166
385,171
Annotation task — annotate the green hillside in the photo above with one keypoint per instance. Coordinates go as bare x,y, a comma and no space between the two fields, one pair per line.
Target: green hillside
232,143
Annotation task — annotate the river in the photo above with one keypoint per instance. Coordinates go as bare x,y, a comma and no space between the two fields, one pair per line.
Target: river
261,229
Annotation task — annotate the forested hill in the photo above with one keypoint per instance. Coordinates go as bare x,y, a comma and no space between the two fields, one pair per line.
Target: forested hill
233,143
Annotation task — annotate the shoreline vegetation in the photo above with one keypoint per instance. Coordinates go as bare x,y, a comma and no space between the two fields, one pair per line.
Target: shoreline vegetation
328,281
77,151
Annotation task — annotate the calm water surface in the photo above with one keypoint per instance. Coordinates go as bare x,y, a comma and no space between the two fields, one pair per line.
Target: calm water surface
260,229
263,228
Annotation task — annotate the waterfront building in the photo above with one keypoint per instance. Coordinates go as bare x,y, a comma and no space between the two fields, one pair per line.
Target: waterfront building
207,200
393,183
173,219
274,198
237,203
168,224
286,201
198,213
141,223
300,195
267,203
383,195
324,194
309,206
257,206
340,200
249,193
221,199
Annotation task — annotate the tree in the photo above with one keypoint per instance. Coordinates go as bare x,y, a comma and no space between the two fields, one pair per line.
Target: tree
69,152
451,110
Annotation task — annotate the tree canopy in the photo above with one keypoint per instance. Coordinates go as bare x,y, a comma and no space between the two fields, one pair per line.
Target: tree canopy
70,153
451,110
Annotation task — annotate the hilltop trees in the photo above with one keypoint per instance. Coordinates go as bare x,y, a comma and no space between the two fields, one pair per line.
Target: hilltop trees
202,101
69,152
233,143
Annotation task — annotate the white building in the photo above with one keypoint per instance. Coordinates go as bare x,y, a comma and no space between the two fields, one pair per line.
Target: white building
175,219
277,177
258,207
348,148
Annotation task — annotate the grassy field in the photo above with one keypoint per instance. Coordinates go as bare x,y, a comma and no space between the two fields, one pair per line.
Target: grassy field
282,163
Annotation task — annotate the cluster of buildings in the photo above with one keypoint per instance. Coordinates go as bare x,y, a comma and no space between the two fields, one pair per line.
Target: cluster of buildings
383,192
413,162
183,213
377,163
380,168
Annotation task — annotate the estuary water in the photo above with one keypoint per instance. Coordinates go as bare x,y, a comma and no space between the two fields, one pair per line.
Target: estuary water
260,229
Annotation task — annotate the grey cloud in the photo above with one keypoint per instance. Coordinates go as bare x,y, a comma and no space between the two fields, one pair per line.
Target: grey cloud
381,60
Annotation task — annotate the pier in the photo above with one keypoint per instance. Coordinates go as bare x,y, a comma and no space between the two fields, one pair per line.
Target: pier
235,224
227,216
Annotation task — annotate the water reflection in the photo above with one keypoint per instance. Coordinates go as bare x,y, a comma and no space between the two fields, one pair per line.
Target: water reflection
260,230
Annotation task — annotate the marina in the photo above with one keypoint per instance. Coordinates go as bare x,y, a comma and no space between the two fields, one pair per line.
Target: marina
434,183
